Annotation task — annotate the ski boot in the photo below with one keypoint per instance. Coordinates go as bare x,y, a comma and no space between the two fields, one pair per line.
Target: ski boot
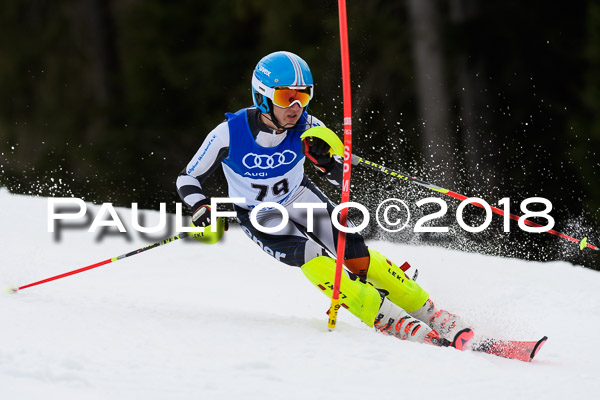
449,326
394,321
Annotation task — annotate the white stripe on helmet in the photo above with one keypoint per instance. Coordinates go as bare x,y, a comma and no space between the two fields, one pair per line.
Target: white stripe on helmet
298,77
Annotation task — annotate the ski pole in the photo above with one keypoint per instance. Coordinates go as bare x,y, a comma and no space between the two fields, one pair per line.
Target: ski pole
356,160
132,253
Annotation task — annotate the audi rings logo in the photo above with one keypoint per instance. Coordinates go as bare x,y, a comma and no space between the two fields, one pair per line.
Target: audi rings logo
262,161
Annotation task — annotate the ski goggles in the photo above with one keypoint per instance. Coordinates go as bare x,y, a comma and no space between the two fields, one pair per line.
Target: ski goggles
285,96
288,95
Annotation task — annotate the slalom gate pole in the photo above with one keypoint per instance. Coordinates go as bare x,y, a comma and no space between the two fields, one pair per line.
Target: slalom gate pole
341,242
356,160
132,253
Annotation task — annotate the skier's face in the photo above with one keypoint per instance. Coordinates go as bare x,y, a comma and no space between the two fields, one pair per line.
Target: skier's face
287,117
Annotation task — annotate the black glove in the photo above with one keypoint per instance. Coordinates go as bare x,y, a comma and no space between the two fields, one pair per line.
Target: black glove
317,151
201,217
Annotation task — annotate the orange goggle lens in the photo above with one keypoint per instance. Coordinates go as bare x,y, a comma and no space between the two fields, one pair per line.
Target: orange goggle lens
285,97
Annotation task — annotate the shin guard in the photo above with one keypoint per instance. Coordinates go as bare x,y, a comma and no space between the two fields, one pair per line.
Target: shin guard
402,291
361,299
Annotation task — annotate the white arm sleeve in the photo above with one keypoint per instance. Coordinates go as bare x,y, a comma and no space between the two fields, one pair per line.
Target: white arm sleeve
207,159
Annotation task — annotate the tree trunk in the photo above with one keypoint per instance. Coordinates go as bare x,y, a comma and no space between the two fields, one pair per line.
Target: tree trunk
103,54
432,88
475,135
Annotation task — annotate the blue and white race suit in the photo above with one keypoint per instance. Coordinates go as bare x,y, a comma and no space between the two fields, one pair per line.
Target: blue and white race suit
261,165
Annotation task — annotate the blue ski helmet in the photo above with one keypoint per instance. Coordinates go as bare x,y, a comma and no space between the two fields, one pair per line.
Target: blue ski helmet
279,69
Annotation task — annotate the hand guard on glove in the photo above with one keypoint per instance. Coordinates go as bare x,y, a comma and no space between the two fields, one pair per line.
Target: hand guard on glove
201,217
317,151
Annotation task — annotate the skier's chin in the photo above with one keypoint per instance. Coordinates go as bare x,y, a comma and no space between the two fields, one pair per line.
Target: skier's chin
290,122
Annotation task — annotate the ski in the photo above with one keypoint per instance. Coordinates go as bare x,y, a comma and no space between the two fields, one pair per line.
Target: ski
514,349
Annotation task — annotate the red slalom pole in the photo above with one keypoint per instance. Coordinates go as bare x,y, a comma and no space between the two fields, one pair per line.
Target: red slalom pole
101,263
341,243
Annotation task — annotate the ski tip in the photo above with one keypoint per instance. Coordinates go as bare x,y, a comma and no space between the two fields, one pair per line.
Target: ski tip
537,347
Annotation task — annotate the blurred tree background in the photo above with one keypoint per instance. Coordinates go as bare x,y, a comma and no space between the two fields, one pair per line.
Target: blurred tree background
108,100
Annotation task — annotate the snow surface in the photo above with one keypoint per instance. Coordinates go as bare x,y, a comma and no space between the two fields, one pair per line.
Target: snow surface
226,321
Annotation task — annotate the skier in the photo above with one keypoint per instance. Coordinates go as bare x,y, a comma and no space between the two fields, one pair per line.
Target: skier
263,157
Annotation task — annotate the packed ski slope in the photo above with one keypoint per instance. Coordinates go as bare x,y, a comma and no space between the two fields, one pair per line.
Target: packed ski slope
194,321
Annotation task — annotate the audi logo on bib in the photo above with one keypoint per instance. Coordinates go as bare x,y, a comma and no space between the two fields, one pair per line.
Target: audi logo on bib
262,161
